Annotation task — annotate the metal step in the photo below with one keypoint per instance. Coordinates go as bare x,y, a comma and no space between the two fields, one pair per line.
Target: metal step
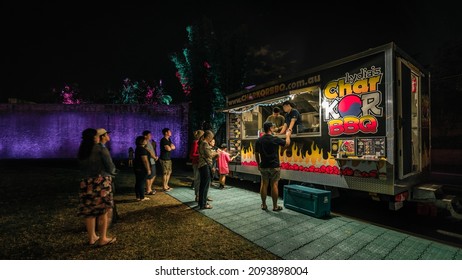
426,192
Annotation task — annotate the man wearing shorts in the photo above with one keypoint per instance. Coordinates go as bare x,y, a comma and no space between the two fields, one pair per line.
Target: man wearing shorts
267,157
166,147
151,147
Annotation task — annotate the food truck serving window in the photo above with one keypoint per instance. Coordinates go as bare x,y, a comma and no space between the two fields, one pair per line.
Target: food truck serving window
307,102
252,123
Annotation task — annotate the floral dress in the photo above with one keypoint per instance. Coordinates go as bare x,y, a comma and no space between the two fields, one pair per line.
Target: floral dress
95,196
95,192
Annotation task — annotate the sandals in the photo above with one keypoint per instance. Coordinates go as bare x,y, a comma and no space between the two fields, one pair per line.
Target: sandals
94,242
111,241
279,208
265,207
168,189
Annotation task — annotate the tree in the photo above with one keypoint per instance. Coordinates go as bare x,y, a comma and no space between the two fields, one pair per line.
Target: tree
161,94
208,67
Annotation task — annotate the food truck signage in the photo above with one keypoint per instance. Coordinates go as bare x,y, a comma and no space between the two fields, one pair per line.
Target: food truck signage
273,90
353,102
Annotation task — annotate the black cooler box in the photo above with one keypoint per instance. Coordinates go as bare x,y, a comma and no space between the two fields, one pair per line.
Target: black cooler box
311,201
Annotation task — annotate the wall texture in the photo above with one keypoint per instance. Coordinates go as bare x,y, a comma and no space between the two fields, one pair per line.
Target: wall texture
33,131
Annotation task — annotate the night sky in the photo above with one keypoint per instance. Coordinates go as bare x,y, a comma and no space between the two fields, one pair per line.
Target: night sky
98,45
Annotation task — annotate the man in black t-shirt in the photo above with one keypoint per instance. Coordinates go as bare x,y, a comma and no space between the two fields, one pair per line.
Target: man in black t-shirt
267,157
293,118
166,147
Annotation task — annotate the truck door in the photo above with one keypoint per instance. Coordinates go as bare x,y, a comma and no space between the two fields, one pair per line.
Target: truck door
409,129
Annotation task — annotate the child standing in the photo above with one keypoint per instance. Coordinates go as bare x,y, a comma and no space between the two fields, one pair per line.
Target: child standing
131,155
223,167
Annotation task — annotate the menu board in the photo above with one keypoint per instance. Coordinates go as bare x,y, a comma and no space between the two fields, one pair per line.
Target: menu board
374,146
345,147
234,134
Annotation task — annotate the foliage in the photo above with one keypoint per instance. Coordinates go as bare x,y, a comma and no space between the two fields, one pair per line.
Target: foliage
69,94
205,70
135,92
183,73
130,93
161,94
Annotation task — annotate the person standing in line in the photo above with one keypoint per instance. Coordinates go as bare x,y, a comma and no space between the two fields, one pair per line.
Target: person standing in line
131,155
109,169
206,155
104,138
215,176
267,157
277,119
166,147
223,164
151,147
95,195
293,118
194,156
141,167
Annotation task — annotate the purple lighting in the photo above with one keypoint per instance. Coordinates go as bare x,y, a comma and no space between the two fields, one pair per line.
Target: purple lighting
33,131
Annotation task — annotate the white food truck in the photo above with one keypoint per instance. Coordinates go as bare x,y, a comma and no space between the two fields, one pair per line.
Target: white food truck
365,126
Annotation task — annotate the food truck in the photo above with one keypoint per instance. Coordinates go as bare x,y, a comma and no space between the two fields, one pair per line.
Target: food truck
365,125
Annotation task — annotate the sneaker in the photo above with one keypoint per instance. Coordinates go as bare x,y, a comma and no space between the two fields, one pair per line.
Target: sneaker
207,206
146,198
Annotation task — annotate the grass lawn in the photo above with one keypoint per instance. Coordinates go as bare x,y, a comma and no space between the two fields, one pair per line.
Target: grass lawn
38,206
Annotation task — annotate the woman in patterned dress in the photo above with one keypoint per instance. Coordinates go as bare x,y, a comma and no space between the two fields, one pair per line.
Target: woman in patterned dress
95,195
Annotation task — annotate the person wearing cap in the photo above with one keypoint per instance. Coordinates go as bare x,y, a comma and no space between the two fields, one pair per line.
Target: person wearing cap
267,157
109,168
151,146
293,118
95,195
277,119
223,164
194,156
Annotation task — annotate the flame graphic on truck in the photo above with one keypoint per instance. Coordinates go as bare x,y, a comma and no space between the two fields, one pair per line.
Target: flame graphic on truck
312,160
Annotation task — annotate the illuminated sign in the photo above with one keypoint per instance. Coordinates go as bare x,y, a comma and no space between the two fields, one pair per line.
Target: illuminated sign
273,90
352,103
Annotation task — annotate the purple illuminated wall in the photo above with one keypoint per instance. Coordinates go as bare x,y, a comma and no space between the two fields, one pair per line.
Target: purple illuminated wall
32,131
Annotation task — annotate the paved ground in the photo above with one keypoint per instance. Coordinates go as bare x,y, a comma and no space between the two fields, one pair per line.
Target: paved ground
296,236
